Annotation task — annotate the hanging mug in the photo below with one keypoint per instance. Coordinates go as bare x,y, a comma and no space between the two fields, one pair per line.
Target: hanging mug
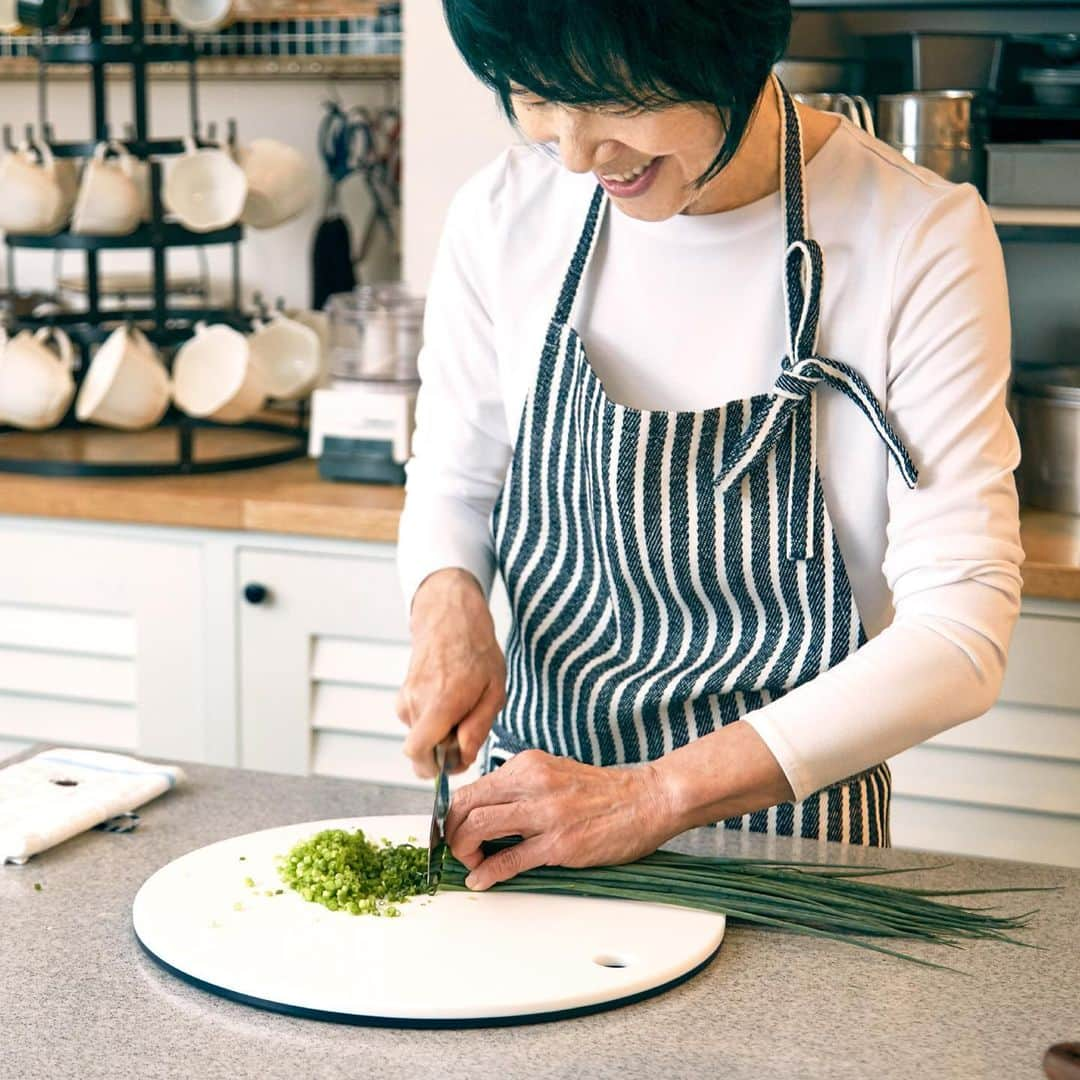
127,386
215,375
280,183
289,354
36,385
108,202
205,188
32,199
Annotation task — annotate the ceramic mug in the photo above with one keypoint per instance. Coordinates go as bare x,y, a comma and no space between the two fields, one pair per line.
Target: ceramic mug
9,18
32,199
127,386
318,321
36,385
108,202
279,180
289,354
215,375
205,188
202,16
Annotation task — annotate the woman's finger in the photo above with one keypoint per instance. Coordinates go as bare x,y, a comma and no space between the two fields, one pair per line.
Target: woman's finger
508,863
474,729
491,823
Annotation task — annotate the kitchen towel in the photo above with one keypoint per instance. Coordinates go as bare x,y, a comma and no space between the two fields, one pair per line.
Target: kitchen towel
59,793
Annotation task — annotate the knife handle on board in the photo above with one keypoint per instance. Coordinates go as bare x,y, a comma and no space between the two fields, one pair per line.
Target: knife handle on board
1062,1061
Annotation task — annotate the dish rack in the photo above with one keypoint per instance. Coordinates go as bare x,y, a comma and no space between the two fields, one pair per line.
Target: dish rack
166,325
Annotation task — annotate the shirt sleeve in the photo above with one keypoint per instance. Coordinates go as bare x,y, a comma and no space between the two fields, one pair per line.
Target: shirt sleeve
460,446
953,545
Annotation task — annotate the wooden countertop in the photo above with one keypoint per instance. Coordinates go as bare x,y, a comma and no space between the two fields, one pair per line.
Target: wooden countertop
291,498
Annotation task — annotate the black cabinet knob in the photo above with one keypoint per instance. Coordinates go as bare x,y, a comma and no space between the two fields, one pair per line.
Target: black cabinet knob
255,593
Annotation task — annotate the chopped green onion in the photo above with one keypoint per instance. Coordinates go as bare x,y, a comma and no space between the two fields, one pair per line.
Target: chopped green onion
249,882
37,886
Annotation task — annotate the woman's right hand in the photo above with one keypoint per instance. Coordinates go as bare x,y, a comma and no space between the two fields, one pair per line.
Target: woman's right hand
457,674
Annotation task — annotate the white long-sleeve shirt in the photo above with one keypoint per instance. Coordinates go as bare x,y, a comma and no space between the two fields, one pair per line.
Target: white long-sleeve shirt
687,313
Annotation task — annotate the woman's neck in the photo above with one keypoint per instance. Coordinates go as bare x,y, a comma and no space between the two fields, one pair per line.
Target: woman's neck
754,171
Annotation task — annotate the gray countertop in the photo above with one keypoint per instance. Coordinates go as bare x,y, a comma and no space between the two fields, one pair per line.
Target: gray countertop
78,998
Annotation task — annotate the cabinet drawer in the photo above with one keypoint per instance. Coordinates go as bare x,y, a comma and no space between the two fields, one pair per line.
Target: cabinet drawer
1044,663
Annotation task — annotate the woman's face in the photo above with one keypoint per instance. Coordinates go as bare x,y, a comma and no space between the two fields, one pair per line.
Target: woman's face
647,160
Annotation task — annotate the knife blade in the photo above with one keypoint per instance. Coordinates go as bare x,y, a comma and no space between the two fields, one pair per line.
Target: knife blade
446,757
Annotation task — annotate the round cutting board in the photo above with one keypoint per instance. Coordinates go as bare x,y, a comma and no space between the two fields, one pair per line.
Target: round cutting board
449,960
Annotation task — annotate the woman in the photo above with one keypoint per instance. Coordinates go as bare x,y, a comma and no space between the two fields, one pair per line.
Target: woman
757,523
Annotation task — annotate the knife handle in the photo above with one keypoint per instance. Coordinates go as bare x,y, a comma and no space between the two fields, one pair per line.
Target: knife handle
448,752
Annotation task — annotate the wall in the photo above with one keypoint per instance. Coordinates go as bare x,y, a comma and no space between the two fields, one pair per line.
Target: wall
452,127
275,262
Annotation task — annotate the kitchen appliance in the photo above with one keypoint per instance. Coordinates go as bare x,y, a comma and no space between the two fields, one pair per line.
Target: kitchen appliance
1055,86
1046,406
454,959
1033,174
361,429
945,130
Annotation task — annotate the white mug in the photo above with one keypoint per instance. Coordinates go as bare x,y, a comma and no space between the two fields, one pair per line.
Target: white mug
280,183
31,196
202,16
318,321
205,188
108,202
9,17
289,354
36,385
215,376
127,386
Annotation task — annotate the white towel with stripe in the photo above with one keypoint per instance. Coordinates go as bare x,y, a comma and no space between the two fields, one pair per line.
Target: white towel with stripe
60,793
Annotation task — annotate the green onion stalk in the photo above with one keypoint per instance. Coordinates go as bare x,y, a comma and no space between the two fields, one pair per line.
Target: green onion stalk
347,872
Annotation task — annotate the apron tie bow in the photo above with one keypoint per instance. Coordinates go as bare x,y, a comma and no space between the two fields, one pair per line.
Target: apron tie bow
793,404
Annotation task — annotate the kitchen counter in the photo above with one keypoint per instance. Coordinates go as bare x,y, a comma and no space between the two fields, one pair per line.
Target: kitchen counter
291,498
78,998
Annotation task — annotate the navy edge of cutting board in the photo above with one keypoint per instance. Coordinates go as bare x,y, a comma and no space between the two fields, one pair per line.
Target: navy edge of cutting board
433,1022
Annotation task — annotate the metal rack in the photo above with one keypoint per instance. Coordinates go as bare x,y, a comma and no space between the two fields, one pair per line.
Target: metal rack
167,326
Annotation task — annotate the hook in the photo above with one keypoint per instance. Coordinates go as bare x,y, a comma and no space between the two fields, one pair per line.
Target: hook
211,131
9,143
47,132
261,310
30,140
231,128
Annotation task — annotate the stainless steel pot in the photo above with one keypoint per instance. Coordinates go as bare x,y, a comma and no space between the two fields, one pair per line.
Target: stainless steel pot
945,130
1046,405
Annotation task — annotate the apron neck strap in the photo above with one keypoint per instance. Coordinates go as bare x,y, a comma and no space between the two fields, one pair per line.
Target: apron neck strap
582,254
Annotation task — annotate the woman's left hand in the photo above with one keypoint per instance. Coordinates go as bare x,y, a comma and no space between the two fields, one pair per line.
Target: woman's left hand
570,814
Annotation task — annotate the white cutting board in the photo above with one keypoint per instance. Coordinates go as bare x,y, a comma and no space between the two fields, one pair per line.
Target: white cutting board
448,960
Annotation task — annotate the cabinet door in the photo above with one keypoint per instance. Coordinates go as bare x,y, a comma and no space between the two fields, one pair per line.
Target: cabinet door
100,642
1007,784
323,651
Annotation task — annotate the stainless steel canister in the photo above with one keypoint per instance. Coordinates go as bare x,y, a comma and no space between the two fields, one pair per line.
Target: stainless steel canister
945,130
1046,405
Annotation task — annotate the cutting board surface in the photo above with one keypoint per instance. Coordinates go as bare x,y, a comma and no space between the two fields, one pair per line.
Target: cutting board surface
451,958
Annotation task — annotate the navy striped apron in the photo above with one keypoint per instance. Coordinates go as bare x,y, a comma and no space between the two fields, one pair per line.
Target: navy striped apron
669,572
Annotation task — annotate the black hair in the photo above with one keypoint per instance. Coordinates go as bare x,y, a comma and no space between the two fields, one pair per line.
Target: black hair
643,54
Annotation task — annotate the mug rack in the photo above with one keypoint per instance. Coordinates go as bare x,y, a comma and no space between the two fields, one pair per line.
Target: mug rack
166,325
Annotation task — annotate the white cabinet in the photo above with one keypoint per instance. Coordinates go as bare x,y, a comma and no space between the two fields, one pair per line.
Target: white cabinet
323,649
1006,785
100,641
142,639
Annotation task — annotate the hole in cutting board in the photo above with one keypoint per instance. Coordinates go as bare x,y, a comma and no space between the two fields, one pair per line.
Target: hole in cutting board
609,961
65,783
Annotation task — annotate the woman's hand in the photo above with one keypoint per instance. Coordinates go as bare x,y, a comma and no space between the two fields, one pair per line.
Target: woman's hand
457,674
570,814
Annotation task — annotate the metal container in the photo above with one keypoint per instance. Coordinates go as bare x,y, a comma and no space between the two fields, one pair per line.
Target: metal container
854,106
1053,85
945,130
1033,174
1046,405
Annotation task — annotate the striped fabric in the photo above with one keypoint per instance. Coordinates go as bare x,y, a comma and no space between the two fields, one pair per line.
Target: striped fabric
660,581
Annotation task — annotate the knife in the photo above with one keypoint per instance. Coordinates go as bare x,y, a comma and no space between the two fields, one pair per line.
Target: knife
447,756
